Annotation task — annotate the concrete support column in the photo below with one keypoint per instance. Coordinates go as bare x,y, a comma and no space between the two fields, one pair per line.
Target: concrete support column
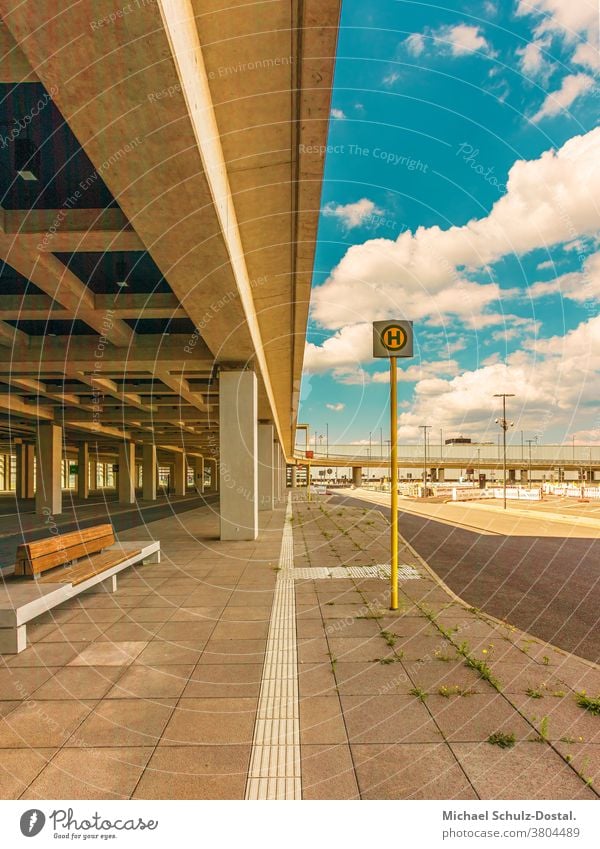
180,474
149,472
126,473
441,475
93,474
83,480
48,495
357,475
25,453
293,476
198,464
266,471
238,461
512,475
524,475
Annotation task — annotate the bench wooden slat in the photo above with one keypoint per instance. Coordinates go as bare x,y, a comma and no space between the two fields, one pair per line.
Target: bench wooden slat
37,557
89,566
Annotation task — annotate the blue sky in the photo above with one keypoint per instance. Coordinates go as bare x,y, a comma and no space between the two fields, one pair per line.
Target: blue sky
461,191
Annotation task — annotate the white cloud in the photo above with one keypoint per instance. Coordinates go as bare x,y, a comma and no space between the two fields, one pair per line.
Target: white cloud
549,200
532,59
549,263
337,408
391,78
571,87
579,286
415,44
587,55
343,351
458,40
550,379
338,114
352,214
568,18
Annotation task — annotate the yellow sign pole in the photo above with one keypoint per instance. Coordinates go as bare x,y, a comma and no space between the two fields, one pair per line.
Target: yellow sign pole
308,481
394,481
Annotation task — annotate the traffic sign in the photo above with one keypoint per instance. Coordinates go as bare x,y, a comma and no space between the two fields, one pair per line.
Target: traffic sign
393,338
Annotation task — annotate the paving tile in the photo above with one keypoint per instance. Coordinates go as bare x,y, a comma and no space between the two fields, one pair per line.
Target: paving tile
328,772
160,682
106,773
109,654
45,654
195,772
563,717
17,683
123,631
124,722
43,724
197,614
234,613
240,631
584,759
226,651
433,674
410,771
388,719
147,614
309,628
316,679
520,677
158,652
186,631
474,718
359,649
321,720
372,679
211,721
228,680
527,771
79,682
100,615
19,767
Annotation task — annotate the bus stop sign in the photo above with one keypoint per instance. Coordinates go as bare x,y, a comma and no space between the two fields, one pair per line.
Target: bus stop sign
392,338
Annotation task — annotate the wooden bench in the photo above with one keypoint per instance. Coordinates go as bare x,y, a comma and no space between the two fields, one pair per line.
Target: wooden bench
50,571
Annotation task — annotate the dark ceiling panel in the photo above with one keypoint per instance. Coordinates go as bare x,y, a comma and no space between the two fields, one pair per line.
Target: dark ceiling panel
66,176
101,271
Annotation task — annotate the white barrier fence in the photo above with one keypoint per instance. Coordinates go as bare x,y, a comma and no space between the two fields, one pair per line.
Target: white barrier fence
515,493
571,491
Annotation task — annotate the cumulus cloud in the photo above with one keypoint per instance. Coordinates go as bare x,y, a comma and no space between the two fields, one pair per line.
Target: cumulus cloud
338,114
571,87
532,59
458,40
549,377
579,286
587,55
549,200
352,214
569,18
391,78
337,408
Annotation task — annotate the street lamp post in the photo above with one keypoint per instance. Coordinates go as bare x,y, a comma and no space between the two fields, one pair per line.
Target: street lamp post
425,428
529,441
504,424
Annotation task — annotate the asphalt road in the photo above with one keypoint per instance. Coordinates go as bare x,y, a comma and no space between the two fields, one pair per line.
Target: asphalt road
548,586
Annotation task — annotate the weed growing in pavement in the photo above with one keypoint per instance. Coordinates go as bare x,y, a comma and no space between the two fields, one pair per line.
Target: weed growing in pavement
499,738
418,692
546,660
455,691
559,694
391,658
543,735
389,637
587,703
439,655
533,694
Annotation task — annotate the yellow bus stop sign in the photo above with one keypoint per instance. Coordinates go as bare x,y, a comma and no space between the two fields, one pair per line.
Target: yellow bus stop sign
392,339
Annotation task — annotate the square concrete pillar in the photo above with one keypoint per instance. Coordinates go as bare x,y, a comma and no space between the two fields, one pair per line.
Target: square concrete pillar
357,475
149,472
25,452
48,495
126,473
198,466
238,461
293,477
266,472
83,475
180,474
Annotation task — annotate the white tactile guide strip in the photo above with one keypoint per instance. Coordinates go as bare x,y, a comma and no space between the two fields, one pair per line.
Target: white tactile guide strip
275,759
381,570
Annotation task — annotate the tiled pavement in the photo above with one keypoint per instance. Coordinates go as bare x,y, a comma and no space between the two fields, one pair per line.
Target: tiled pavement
153,692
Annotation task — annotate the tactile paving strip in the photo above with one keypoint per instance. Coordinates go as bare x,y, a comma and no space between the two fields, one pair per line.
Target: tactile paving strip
380,570
275,759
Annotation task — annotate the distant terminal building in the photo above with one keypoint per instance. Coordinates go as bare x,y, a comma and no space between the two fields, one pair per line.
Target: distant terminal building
458,440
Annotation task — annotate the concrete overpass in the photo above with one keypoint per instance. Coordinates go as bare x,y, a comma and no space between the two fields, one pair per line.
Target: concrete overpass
160,199
552,460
